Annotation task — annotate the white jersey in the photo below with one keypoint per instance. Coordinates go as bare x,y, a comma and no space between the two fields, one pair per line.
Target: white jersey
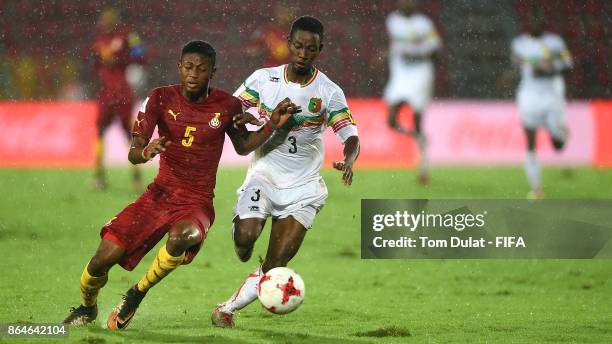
541,99
413,39
547,52
294,157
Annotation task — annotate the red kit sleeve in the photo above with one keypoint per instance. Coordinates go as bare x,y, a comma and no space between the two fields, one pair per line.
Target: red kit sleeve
148,115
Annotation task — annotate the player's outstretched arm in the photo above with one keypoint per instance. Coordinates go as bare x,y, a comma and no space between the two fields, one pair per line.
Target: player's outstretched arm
244,118
351,152
247,141
141,152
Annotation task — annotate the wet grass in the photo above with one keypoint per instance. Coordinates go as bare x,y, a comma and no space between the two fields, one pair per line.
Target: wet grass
49,228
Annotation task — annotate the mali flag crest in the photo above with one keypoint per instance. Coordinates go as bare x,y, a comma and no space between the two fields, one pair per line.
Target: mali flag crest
314,105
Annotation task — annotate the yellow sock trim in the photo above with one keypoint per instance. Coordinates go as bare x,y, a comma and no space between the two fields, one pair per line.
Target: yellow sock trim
90,286
99,147
99,153
163,264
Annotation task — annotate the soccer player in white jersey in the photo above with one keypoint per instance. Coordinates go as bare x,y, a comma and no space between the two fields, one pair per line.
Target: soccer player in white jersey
414,42
542,58
284,181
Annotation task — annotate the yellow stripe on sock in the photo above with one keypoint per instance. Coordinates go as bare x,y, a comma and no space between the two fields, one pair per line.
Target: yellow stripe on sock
163,264
90,286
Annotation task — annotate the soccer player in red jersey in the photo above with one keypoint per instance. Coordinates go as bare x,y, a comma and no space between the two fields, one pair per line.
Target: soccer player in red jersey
269,41
114,49
192,120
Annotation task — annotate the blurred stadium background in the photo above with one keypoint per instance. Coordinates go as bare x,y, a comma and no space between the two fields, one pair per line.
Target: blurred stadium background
45,45
45,54
49,218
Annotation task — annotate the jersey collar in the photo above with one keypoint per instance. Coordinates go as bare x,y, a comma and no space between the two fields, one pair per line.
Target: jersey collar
310,81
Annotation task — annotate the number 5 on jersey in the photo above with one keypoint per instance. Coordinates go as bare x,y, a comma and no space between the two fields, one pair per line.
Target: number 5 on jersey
188,140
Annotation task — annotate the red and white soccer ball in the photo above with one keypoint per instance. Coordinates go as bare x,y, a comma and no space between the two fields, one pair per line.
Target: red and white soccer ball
281,290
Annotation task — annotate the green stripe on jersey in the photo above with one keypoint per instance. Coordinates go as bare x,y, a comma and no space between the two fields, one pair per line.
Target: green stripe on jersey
251,92
335,113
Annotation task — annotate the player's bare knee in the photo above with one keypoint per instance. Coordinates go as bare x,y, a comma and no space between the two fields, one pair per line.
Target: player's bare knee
246,233
107,255
245,238
244,253
180,240
100,264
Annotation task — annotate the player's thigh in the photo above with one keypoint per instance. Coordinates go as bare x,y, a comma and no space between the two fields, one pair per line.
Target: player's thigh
105,116
144,218
252,209
531,116
531,108
123,109
254,199
555,121
420,90
302,202
394,93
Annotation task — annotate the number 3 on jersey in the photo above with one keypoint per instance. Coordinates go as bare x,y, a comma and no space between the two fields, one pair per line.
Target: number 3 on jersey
257,196
188,140
292,141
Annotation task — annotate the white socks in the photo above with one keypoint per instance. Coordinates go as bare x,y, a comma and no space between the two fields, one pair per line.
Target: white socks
532,168
246,294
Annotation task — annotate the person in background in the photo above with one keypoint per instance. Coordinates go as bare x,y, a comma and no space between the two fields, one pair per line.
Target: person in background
269,41
542,58
414,43
114,49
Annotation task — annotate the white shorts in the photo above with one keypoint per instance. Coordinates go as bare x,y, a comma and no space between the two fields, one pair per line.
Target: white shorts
259,199
412,84
543,110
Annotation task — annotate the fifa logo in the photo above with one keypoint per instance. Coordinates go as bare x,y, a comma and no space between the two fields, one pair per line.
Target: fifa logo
215,122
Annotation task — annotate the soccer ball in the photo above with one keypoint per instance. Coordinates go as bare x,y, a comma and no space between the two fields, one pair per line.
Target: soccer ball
281,290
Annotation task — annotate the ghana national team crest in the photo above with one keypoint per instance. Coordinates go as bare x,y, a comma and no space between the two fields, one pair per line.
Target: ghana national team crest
314,105
215,122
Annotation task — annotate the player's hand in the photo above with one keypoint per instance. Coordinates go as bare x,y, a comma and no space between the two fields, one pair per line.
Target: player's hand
245,118
347,171
155,147
283,111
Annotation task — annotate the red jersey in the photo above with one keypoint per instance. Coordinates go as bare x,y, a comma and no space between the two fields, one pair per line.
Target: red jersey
197,132
113,52
274,41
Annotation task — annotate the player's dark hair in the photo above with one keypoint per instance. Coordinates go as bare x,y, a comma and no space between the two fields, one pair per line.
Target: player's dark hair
200,47
307,23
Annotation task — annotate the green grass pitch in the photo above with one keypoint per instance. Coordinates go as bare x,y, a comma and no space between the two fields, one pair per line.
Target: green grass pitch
50,220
